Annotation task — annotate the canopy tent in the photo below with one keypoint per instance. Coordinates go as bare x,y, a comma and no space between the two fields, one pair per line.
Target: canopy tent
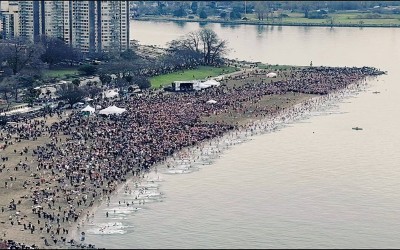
204,85
88,108
110,93
112,110
272,74
87,99
212,101
212,82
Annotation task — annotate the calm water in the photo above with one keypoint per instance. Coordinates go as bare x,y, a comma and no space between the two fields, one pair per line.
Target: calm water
315,183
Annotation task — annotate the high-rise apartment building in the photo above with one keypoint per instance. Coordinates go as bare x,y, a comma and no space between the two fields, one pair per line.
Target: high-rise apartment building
95,26
91,26
9,19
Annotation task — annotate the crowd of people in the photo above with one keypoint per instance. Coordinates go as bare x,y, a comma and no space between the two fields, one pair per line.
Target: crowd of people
88,156
10,244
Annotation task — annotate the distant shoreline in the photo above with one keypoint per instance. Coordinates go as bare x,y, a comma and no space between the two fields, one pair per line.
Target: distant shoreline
252,22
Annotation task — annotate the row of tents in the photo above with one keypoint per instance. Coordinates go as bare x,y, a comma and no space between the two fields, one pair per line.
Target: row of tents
206,84
111,110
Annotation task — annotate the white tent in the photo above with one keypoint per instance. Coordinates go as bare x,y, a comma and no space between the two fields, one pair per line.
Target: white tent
212,82
110,93
212,101
87,99
272,74
88,109
112,110
200,86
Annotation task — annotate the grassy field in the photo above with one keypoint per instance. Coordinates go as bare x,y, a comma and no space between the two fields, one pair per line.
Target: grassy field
351,18
195,74
60,73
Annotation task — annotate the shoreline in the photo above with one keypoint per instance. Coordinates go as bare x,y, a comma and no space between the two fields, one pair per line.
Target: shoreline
117,185
241,22
219,145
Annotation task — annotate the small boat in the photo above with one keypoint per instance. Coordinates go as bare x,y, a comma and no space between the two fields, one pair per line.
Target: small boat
376,92
357,128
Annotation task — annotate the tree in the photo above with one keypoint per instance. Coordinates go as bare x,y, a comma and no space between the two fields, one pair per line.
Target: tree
213,47
143,82
56,50
71,93
19,54
180,12
129,79
223,15
129,55
204,43
31,95
194,6
235,15
93,91
76,82
261,10
306,8
160,8
105,79
212,4
88,69
22,82
6,89
203,14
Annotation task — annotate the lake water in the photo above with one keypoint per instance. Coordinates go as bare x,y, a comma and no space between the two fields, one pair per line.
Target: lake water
314,183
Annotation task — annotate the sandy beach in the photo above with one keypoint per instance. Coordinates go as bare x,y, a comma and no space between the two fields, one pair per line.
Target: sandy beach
43,206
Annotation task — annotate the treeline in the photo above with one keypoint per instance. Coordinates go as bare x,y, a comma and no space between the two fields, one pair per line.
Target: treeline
236,9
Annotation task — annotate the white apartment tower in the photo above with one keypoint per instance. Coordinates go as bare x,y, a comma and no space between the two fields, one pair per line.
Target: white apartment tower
91,26
9,19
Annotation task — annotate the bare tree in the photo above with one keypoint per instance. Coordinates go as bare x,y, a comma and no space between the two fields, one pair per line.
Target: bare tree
71,93
204,42
213,47
6,89
261,10
19,54
56,50
93,91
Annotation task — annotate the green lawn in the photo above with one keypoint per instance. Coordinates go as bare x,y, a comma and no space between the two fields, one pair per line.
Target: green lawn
339,18
195,74
344,18
60,73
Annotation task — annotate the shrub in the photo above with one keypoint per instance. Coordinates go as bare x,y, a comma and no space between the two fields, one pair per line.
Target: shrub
143,82
87,69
